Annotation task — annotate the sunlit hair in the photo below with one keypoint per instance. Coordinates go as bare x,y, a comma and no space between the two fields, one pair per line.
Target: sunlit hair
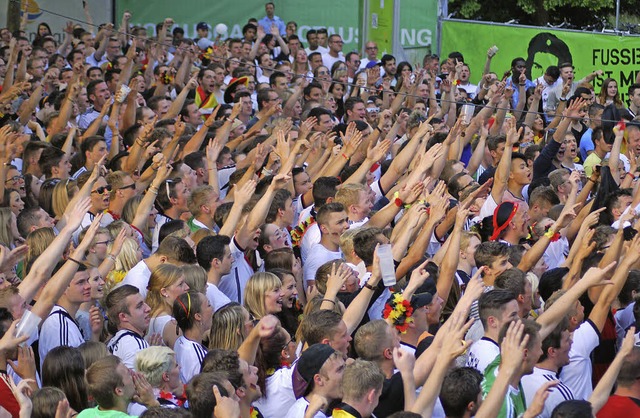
196,277
162,277
153,362
63,192
256,289
37,241
228,327
6,237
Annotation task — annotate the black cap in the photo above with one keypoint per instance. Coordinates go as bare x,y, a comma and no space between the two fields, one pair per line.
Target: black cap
421,299
309,365
202,26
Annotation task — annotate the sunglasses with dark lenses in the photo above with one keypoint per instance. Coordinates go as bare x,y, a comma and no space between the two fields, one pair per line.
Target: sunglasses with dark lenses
130,186
102,189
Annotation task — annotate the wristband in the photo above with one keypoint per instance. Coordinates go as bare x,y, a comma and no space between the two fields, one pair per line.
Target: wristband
345,156
111,257
368,286
329,300
74,260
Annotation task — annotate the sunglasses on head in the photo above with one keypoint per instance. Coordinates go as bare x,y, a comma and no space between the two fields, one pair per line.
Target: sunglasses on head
102,189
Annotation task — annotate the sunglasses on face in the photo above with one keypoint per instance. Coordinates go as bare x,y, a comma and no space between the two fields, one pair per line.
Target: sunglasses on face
102,189
130,186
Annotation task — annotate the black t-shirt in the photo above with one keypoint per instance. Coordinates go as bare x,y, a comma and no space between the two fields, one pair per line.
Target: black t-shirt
392,397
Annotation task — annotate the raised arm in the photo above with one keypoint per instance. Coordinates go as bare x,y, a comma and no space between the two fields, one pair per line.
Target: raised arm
58,284
504,166
552,316
42,267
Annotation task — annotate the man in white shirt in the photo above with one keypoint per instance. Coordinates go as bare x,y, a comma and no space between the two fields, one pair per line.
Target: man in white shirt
172,250
128,313
371,54
60,327
312,39
555,354
214,255
332,221
497,307
318,373
335,51
172,199
550,80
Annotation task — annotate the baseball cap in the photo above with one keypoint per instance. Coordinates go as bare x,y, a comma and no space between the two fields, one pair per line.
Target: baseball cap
204,43
309,364
202,26
421,299
372,64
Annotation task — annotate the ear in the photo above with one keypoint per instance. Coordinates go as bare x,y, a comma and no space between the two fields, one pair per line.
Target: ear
317,380
163,259
325,341
372,395
165,377
388,353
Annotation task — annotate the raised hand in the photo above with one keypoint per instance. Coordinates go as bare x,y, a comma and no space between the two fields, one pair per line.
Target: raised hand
74,218
403,361
378,152
513,346
267,326
226,407
596,276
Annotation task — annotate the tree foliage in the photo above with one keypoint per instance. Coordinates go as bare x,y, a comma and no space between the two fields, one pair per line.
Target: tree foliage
579,13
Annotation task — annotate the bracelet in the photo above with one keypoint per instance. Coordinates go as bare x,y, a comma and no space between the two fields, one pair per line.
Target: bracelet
329,300
153,190
378,128
631,174
368,286
111,257
345,156
591,180
75,261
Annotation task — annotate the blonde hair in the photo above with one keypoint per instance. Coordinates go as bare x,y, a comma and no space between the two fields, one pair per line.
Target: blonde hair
254,292
116,180
198,197
129,214
227,327
92,351
201,233
6,237
346,240
37,241
127,257
465,239
349,194
196,277
63,192
153,362
162,277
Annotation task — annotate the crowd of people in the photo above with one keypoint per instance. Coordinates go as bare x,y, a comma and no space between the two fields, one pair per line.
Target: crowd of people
267,227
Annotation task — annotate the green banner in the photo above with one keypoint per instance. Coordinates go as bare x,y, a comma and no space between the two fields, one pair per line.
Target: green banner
617,56
343,17
380,24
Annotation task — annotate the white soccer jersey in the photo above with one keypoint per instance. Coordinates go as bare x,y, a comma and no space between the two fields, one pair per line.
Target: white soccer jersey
125,345
577,374
189,356
482,353
59,328
532,382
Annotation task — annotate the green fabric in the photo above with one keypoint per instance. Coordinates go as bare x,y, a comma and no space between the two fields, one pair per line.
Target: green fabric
97,413
514,404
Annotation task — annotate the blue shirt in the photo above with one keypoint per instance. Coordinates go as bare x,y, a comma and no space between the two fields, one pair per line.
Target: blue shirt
586,144
266,23
516,92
